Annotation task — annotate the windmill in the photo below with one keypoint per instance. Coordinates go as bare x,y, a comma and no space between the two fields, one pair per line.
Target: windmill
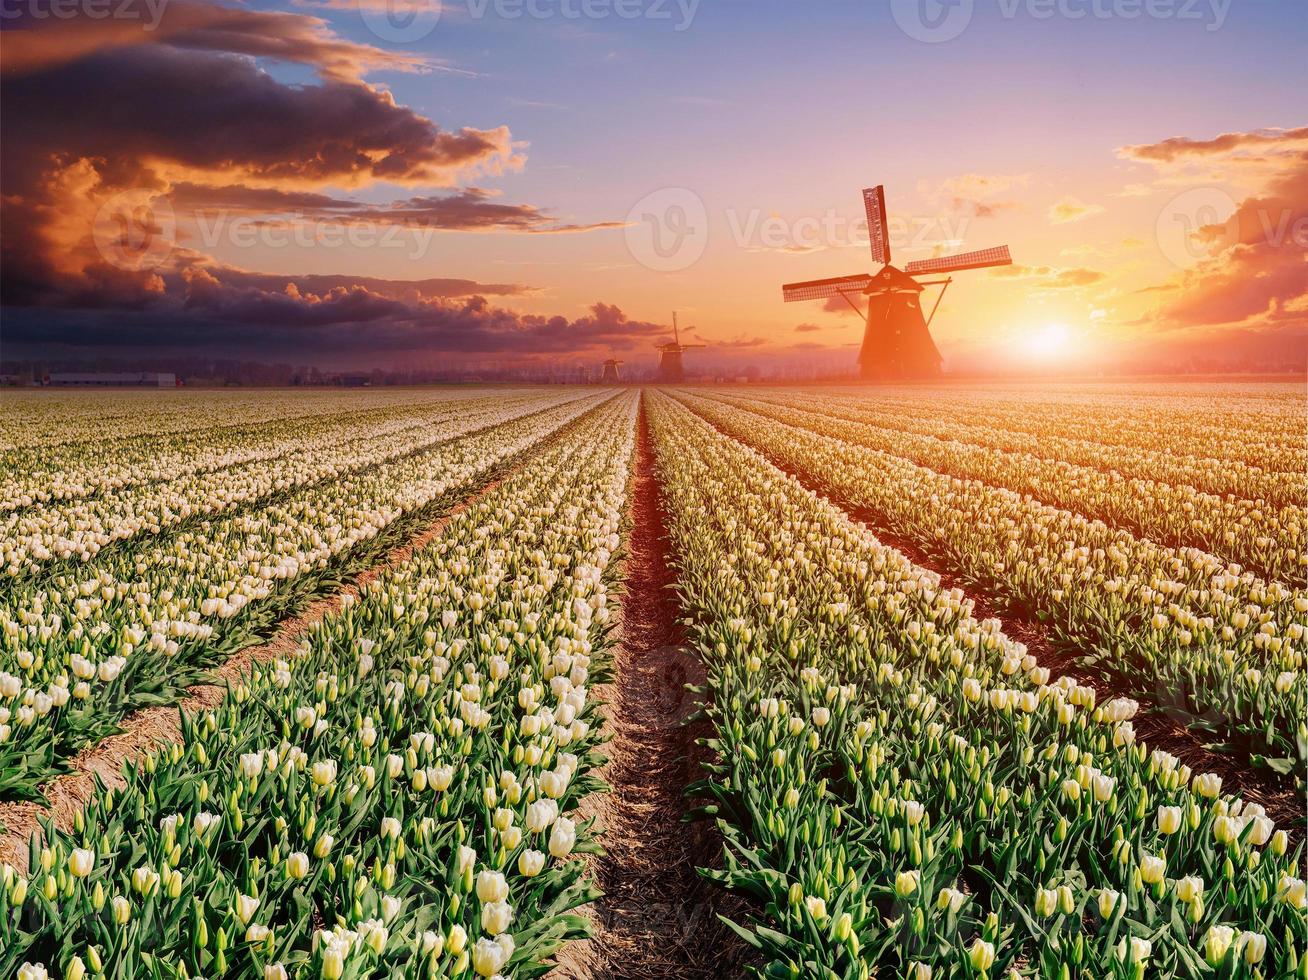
610,376
670,367
896,339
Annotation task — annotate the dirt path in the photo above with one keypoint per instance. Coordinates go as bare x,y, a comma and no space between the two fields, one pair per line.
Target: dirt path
658,916
1158,729
144,730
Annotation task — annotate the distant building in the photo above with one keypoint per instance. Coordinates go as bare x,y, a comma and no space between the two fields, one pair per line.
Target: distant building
356,380
113,379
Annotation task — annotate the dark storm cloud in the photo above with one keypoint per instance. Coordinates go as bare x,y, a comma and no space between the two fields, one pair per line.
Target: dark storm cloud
186,122
35,40
241,323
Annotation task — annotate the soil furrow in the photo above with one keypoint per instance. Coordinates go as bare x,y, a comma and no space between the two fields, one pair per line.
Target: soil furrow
658,917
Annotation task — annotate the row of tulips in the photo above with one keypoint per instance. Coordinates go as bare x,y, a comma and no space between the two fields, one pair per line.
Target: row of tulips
1178,628
391,801
905,792
58,421
1259,424
80,650
40,475
1270,541
51,537
1198,489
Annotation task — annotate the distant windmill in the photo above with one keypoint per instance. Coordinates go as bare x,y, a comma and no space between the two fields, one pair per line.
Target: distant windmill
896,339
670,367
610,376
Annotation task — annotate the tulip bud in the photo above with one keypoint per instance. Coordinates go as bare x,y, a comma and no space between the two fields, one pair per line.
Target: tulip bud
982,955
1216,943
456,939
1252,946
906,883
1169,819
1108,899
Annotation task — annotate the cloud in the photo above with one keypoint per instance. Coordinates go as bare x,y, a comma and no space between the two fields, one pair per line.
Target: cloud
470,209
156,108
156,121
474,209
31,44
1177,147
1049,277
980,195
1261,276
238,320
186,124
807,328
1070,209
408,290
1254,278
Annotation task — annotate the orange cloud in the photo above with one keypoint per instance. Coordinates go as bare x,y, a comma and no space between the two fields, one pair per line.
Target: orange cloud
1176,147
1255,275
1048,277
979,194
1070,209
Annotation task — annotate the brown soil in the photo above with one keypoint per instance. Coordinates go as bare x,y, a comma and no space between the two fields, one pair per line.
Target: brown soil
658,917
1158,730
144,730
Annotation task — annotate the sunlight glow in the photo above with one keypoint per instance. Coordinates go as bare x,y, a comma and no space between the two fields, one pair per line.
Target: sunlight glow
1052,342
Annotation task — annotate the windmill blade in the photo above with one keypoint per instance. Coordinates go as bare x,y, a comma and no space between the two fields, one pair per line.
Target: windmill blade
979,259
874,203
793,292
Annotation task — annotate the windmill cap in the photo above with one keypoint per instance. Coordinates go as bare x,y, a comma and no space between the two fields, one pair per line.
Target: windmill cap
891,278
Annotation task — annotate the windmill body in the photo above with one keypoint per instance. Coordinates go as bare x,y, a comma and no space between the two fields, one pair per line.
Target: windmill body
671,368
610,376
896,335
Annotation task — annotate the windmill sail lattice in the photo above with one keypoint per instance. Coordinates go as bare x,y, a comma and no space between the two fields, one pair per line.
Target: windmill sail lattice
980,259
896,337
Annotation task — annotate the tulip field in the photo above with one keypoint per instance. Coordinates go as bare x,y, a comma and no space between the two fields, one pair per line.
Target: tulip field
998,681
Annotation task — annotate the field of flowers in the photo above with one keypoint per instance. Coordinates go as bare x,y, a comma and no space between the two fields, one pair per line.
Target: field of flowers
405,778
948,638
906,791
1178,628
83,644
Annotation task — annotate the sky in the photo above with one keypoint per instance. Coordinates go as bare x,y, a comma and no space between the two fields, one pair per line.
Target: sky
402,182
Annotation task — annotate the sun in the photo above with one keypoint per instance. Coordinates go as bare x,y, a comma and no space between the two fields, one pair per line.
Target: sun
1051,342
